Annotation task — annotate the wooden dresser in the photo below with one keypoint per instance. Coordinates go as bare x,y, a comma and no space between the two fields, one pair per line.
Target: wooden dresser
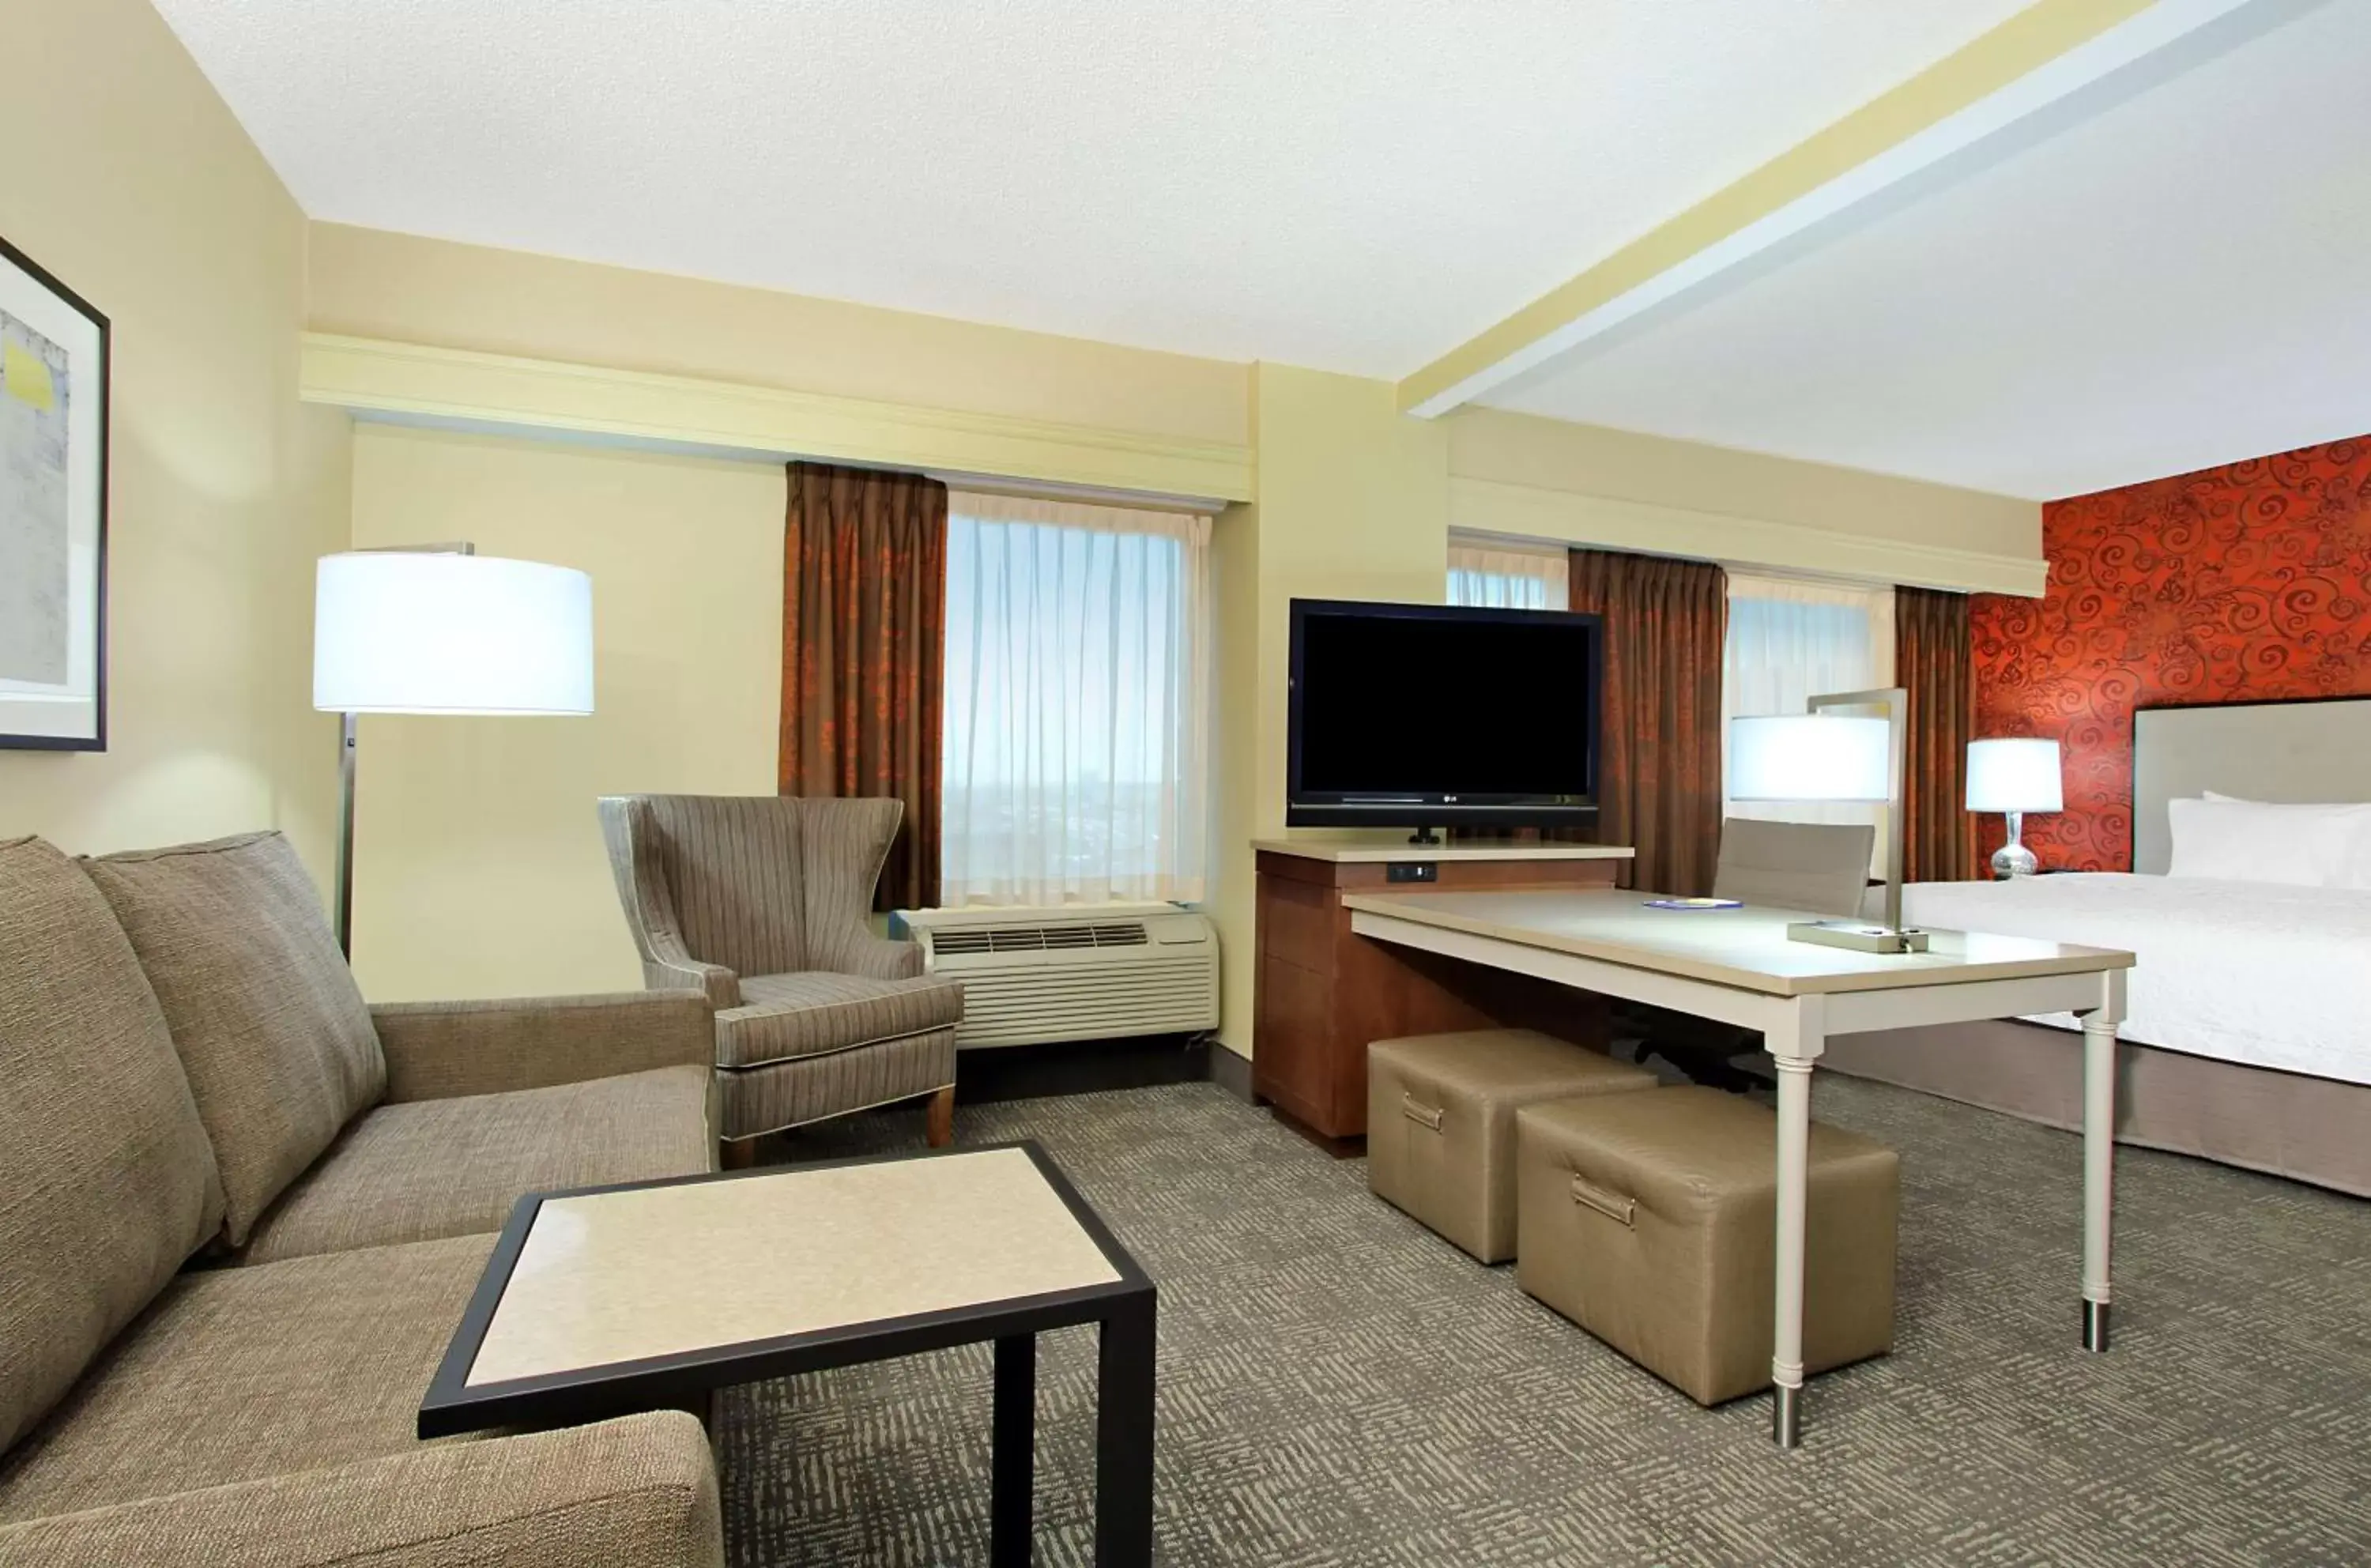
1322,995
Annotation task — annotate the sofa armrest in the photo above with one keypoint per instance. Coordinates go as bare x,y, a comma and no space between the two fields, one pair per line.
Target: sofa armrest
438,1050
640,1489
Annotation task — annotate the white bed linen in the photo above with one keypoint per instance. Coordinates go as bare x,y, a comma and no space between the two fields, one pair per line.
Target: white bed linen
2257,972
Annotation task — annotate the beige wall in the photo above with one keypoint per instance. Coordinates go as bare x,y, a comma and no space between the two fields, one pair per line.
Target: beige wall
1582,484
1353,503
370,283
479,864
129,181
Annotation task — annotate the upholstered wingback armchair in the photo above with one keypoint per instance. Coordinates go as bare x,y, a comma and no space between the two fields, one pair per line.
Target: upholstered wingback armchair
761,903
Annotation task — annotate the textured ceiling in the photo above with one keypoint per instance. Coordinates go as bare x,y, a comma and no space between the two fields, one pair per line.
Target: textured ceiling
1356,185
2177,282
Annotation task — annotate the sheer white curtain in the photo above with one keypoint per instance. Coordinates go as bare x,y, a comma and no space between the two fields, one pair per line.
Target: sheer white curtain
1507,577
1077,702
1790,640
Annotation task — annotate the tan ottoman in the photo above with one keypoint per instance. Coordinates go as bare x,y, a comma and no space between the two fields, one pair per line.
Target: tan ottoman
1651,1224
1440,1122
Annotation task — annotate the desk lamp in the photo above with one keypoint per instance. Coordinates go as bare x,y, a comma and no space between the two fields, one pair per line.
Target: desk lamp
1825,756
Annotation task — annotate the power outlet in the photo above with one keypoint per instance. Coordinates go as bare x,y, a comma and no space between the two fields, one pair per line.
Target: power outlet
1412,872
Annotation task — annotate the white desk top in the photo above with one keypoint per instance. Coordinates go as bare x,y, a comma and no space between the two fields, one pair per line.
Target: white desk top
1746,947
607,1277
1346,851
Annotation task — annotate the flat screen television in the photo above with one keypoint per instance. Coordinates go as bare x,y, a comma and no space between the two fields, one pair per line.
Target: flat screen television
1429,716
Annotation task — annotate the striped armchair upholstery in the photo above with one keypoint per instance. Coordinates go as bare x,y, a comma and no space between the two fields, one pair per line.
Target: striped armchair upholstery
761,903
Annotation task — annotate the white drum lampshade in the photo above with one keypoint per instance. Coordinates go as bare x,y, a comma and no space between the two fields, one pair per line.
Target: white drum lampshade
1811,756
2014,775
404,632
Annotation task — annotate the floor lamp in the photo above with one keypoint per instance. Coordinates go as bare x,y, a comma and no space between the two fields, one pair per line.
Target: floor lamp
440,629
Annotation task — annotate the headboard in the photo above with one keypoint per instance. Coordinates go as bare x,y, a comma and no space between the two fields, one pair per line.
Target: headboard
2309,750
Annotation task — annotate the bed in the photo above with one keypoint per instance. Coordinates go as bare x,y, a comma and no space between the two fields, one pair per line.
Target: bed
2247,1038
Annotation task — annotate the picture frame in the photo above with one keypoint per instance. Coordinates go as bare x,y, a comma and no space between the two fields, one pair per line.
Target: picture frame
55,382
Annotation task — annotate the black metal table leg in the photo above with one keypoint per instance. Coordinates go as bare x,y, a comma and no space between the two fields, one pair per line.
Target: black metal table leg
1123,1435
1013,1452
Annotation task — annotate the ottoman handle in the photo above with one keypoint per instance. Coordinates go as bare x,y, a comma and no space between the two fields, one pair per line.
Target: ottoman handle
1429,1115
1584,1190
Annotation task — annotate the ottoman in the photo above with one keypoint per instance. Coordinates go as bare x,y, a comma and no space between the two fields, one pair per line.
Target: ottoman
1440,1122
1652,1222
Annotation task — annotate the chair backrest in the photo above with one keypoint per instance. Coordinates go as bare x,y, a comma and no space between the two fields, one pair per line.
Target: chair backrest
1821,867
761,885
845,843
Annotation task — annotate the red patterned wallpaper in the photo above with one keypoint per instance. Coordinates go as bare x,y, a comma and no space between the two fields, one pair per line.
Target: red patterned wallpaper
2251,581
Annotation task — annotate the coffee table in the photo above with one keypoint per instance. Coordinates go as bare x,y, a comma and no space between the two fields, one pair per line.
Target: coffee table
652,1295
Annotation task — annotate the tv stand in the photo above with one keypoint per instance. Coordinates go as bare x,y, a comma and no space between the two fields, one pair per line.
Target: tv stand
1322,995
1424,835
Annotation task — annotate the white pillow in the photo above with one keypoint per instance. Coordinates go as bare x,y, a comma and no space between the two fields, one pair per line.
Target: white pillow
2230,840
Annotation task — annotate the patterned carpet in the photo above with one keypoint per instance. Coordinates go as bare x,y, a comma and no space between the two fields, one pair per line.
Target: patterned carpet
1340,1387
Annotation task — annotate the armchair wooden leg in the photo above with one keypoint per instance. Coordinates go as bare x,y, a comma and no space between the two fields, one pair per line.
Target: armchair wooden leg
943,1117
737,1154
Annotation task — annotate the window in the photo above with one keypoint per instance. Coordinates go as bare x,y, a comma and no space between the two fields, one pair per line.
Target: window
1075,754
1497,575
1790,640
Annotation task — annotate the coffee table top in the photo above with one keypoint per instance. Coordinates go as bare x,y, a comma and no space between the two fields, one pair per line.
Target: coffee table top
776,1270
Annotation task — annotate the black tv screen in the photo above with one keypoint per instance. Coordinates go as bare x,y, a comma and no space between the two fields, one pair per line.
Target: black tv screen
1424,714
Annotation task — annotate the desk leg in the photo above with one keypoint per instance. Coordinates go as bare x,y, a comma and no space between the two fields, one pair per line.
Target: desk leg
1123,1435
1012,1452
1794,1046
2100,1154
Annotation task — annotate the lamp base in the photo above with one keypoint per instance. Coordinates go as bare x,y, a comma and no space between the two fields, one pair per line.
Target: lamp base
2014,860
1857,935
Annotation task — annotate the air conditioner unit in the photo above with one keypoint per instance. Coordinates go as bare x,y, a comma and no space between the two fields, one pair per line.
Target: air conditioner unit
1081,972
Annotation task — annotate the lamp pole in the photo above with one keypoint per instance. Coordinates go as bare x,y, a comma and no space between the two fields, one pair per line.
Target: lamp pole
1895,700
346,836
347,734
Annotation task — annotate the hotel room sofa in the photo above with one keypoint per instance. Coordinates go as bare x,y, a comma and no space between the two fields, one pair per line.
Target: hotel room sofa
240,1214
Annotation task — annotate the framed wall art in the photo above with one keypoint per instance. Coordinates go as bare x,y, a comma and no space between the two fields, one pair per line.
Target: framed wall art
53,391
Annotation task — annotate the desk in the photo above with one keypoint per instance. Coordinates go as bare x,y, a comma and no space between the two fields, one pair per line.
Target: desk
1737,966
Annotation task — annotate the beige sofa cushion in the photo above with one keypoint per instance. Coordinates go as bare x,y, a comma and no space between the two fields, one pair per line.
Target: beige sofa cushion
639,1490
107,1183
265,1013
424,1168
238,1374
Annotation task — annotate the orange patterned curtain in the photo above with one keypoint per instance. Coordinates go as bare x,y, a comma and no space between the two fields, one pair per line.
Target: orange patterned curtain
1659,784
1932,662
864,558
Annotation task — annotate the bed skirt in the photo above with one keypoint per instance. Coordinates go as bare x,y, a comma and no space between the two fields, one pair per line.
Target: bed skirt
2309,1129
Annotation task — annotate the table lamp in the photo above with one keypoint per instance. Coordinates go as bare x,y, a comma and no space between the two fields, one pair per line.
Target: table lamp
2014,777
440,629
1824,756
